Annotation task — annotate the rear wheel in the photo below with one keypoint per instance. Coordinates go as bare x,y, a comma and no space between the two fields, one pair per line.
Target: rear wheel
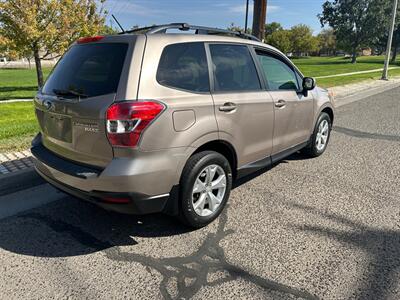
320,138
205,184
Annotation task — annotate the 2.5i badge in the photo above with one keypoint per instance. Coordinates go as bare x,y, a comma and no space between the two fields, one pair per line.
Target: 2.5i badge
89,127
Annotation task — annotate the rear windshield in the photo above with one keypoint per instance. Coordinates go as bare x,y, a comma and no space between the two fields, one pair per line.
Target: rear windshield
90,70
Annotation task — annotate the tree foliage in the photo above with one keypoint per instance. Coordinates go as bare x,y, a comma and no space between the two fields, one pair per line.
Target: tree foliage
356,22
7,48
302,40
46,28
234,27
299,40
380,44
280,39
327,41
273,27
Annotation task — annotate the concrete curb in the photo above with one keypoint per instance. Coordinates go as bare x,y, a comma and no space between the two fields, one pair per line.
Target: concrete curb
20,180
360,95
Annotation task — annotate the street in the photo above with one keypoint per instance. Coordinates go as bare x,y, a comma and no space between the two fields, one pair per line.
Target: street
325,228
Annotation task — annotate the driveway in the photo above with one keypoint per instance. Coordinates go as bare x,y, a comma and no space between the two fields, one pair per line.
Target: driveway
323,228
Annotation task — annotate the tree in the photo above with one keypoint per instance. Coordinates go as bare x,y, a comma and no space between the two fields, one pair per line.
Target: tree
272,27
356,22
46,28
237,28
6,48
302,40
381,44
281,40
327,41
108,30
396,43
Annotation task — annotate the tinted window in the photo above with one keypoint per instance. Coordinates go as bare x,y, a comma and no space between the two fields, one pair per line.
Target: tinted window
91,69
184,66
234,68
278,74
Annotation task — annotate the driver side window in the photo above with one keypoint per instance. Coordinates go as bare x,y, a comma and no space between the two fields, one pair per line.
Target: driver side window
278,74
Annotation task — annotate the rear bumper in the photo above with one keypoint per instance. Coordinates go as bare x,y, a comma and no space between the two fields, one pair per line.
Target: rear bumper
147,183
138,204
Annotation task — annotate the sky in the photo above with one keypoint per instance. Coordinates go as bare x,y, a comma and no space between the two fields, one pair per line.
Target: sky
211,13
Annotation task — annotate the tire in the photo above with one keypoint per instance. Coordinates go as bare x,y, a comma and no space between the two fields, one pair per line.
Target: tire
196,171
314,149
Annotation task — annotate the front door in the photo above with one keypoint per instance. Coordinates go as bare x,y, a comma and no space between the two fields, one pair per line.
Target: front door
244,111
293,111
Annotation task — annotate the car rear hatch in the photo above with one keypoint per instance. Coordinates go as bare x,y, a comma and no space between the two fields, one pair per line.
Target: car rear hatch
71,107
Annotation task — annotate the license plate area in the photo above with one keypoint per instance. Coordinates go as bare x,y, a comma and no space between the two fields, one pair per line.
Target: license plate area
57,126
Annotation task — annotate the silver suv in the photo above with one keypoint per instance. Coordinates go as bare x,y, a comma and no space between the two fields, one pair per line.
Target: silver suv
157,121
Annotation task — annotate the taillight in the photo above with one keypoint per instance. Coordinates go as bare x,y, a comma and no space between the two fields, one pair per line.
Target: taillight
90,39
127,120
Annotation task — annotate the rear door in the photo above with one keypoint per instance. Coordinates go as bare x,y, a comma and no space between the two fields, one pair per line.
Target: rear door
293,111
244,110
72,104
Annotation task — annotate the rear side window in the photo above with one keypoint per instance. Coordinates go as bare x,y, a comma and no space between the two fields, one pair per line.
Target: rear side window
234,68
90,69
184,66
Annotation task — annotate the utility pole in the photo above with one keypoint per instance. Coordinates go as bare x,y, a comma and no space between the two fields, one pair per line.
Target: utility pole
259,18
389,44
247,16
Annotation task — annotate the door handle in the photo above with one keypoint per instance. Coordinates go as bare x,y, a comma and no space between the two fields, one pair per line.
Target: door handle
227,107
280,103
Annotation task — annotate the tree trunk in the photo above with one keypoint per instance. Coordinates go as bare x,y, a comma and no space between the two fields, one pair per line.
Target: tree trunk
394,55
354,57
39,71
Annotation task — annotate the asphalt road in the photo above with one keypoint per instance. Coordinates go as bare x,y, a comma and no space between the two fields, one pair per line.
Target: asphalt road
308,228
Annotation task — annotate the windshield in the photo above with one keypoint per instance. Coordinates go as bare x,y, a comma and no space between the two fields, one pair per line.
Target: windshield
87,70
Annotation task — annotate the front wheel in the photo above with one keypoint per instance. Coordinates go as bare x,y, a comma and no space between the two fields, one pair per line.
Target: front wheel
205,184
320,138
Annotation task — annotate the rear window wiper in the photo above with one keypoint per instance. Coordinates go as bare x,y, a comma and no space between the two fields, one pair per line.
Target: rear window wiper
73,93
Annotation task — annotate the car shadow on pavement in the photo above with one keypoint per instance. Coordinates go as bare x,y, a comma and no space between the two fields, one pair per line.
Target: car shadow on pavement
366,135
382,247
295,156
70,227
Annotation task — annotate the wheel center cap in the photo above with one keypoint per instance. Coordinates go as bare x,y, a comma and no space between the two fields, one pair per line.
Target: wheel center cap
208,189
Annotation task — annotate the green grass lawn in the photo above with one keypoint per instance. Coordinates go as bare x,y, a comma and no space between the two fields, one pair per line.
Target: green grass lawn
336,81
19,83
18,126
323,66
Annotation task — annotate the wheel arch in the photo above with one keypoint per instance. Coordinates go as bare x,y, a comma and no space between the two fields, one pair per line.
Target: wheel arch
329,111
224,148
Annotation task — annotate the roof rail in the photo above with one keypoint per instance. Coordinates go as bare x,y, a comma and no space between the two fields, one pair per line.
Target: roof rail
186,27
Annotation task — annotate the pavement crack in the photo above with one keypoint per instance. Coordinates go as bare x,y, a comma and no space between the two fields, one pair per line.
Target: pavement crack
190,273
210,257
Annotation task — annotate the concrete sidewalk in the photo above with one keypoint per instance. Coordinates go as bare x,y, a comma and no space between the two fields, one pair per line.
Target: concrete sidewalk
364,86
13,162
15,100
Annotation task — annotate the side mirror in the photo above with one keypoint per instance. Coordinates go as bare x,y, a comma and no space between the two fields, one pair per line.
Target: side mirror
308,85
